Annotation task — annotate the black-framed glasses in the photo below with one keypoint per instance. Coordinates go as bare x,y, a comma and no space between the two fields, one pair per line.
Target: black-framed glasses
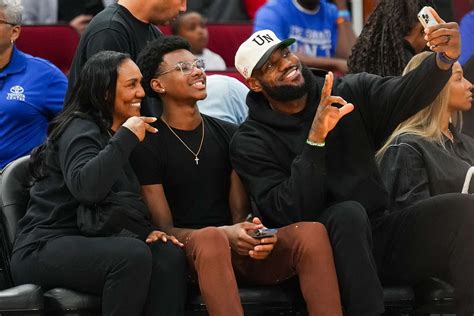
6,22
186,67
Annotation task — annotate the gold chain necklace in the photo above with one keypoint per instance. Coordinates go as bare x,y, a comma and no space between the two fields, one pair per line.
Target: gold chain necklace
196,158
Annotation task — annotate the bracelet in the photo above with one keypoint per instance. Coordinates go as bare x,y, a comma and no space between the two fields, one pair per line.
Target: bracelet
315,144
445,59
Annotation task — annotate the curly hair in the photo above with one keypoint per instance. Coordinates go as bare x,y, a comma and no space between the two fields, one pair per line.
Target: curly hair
380,48
151,57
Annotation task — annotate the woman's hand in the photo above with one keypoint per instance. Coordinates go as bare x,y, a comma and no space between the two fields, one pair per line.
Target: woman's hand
159,235
139,125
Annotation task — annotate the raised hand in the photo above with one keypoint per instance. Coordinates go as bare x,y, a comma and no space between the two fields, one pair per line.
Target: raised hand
139,125
444,37
327,116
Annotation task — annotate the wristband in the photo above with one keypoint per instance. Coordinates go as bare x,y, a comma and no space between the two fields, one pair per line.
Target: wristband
344,14
445,59
315,144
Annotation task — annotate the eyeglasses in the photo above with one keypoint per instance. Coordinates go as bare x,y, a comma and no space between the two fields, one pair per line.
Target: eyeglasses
5,22
186,67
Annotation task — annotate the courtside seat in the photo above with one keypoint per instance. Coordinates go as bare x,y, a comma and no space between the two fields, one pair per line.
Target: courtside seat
16,182
25,299
56,43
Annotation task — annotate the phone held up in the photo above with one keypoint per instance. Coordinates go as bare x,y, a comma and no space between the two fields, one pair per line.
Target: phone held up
263,233
426,17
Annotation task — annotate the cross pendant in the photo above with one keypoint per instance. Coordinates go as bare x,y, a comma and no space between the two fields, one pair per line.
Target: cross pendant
196,160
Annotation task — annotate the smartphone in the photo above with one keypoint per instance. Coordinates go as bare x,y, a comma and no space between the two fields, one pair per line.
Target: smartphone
426,17
263,232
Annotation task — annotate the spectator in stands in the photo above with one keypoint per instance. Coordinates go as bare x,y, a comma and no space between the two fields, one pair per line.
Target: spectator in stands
192,27
77,14
31,90
468,116
220,11
297,154
225,99
427,155
127,27
83,164
390,38
467,35
323,31
190,157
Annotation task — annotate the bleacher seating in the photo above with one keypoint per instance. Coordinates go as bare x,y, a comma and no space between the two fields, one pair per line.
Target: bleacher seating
56,43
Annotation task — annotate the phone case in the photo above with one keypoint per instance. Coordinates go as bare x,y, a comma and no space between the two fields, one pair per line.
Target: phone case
426,17
262,233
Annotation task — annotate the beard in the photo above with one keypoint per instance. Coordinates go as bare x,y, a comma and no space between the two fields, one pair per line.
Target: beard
285,93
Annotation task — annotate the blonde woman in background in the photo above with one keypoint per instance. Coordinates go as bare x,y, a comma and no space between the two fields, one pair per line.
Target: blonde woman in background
427,154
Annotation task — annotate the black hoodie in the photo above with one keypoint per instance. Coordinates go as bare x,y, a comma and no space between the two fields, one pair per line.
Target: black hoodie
290,181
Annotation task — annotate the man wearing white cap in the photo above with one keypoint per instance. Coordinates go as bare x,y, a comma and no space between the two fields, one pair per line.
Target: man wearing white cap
306,152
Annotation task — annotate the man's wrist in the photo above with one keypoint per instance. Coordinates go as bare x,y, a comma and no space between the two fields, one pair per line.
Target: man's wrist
315,144
446,59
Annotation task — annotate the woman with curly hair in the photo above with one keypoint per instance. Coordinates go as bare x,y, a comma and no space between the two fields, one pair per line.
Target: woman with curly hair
390,38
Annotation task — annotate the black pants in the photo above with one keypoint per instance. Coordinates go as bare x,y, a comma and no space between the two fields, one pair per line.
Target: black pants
131,277
434,237
350,233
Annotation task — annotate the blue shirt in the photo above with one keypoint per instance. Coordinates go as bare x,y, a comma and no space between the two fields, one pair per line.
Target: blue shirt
225,99
467,37
315,32
31,93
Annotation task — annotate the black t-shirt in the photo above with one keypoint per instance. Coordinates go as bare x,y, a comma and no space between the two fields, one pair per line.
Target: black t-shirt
197,194
69,9
116,29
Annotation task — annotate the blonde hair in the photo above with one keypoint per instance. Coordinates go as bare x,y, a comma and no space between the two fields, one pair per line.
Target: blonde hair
427,122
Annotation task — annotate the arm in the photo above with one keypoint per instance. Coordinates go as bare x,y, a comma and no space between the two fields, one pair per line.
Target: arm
55,93
386,102
404,173
346,37
89,168
240,241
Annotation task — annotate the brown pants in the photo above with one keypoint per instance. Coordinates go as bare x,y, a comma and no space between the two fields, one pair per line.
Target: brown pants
302,249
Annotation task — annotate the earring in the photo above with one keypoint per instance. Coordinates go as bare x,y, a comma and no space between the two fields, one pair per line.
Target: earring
12,42
162,90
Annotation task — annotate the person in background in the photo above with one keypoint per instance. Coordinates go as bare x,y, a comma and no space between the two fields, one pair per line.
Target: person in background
189,158
220,11
192,27
389,39
467,35
136,271
77,14
427,154
225,99
126,27
31,90
323,31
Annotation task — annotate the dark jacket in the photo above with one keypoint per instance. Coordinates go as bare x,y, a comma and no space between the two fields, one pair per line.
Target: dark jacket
290,181
414,168
83,166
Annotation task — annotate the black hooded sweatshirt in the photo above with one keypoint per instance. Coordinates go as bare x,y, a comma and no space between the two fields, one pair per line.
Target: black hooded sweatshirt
290,181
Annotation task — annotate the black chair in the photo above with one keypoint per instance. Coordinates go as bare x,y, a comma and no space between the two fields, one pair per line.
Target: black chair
16,182
284,299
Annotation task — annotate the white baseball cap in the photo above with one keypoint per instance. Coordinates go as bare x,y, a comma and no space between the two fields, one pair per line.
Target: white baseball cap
256,50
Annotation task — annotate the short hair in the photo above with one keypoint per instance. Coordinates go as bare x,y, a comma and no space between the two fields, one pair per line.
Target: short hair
151,57
13,10
176,23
